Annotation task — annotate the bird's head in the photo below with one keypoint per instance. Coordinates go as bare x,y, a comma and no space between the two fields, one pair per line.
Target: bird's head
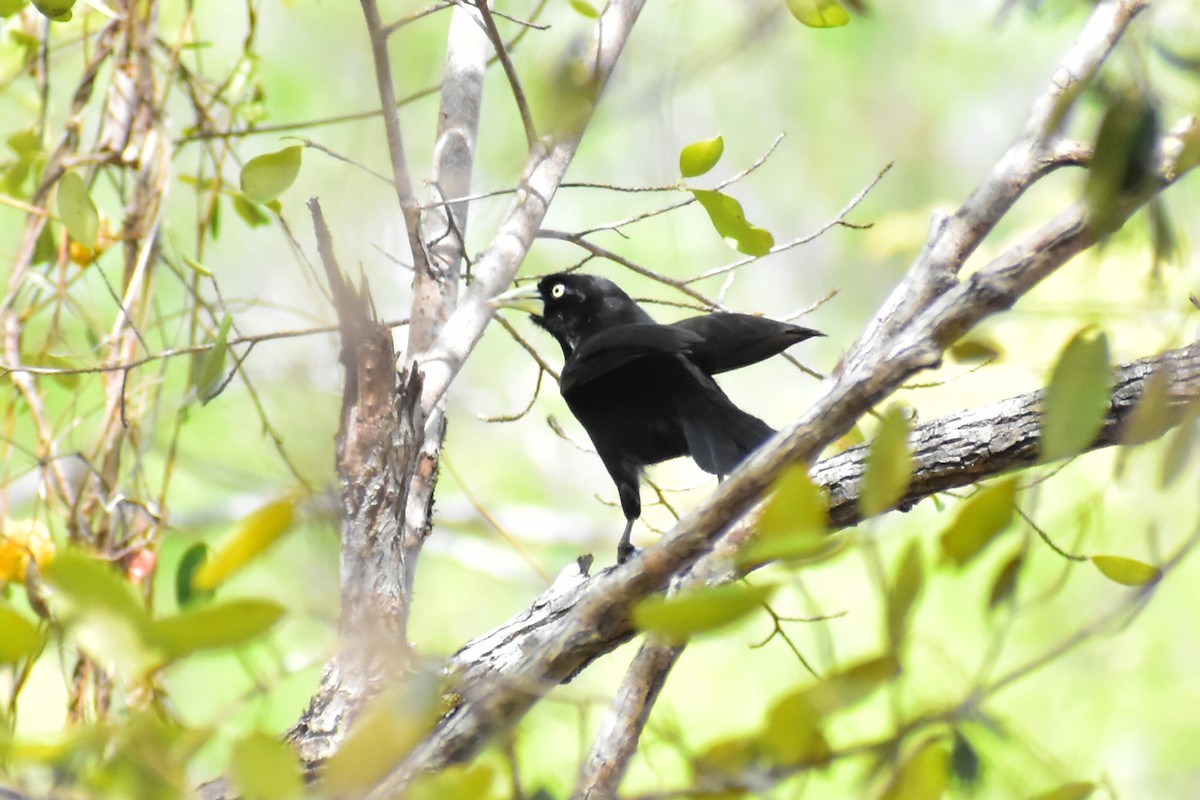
572,306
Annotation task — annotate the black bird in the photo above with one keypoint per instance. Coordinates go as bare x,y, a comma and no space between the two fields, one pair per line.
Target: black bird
644,391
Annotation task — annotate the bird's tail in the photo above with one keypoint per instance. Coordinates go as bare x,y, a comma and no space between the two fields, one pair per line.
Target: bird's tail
719,437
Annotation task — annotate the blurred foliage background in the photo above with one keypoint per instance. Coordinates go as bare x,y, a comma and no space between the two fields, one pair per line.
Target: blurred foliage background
936,89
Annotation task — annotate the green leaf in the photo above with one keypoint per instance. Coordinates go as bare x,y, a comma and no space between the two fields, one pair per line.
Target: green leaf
253,535
1127,571
77,211
964,761
924,776
1179,451
55,10
819,13
266,177
794,524
982,517
910,577
208,366
1004,586
212,627
19,638
251,214
1150,418
853,684
264,768
1078,790
1077,397
185,591
585,8
889,464
730,221
695,611
1122,159
699,157
197,266
975,350
793,732
10,7
458,782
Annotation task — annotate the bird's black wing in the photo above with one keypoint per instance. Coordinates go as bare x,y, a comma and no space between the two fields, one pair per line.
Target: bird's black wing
729,341
614,347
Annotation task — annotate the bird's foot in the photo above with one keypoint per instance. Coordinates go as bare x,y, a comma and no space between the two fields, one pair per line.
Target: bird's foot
625,551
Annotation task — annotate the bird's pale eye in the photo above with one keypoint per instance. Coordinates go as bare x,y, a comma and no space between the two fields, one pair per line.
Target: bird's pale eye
557,290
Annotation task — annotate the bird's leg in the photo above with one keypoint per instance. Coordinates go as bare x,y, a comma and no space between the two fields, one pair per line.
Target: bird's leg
625,548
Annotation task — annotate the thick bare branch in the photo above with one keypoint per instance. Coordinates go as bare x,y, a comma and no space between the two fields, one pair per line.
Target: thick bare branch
543,174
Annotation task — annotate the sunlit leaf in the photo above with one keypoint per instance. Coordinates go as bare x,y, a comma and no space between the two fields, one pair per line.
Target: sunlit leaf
264,768
1078,790
251,214
819,13
77,211
699,157
193,559
585,8
730,221
889,464
699,610
253,535
196,265
1077,398
1150,418
924,776
853,684
1004,586
267,176
208,366
982,517
793,732
19,638
794,524
55,10
1127,571
910,577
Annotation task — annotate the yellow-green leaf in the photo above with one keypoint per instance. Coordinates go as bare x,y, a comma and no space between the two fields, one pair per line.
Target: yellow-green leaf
699,157
77,211
819,13
730,221
984,515
458,782
208,366
10,7
793,732
585,8
1179,451
264,768
1150,418
1077,397
699,610
910,577
253,535
889,464
1122,159
924,776
251,214
55,10
1004,586
794,523
266,177
853,684
975,349
19,638
1077,790
213,627
1127,571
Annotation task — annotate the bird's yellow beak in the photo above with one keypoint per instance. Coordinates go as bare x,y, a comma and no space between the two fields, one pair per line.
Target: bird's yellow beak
523,298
